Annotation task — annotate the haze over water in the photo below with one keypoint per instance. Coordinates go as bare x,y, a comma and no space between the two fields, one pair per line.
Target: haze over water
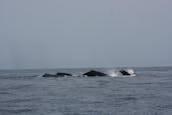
85,33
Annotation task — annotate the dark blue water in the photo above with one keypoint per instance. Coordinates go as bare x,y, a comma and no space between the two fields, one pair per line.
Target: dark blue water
23,93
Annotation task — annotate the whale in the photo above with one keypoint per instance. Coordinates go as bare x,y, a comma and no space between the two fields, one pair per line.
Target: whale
93,73
59,74
49,75
63,74
122,73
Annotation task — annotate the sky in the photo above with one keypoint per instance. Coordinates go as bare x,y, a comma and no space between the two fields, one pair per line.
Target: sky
85,33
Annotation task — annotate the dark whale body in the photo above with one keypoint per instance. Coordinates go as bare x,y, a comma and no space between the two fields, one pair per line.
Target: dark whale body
56,75
93,73
63,74
123,72
49,75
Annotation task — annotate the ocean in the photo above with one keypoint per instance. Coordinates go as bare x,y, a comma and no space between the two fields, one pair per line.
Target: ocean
24,92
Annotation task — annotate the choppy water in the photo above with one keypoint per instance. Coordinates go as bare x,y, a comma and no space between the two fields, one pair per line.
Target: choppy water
23,93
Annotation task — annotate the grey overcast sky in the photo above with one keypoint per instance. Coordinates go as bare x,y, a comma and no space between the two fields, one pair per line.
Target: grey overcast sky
85,33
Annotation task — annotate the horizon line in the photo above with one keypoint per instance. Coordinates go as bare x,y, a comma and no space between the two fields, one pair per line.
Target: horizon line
49,68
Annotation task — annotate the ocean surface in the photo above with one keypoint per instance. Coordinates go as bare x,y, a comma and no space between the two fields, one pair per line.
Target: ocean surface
24,92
